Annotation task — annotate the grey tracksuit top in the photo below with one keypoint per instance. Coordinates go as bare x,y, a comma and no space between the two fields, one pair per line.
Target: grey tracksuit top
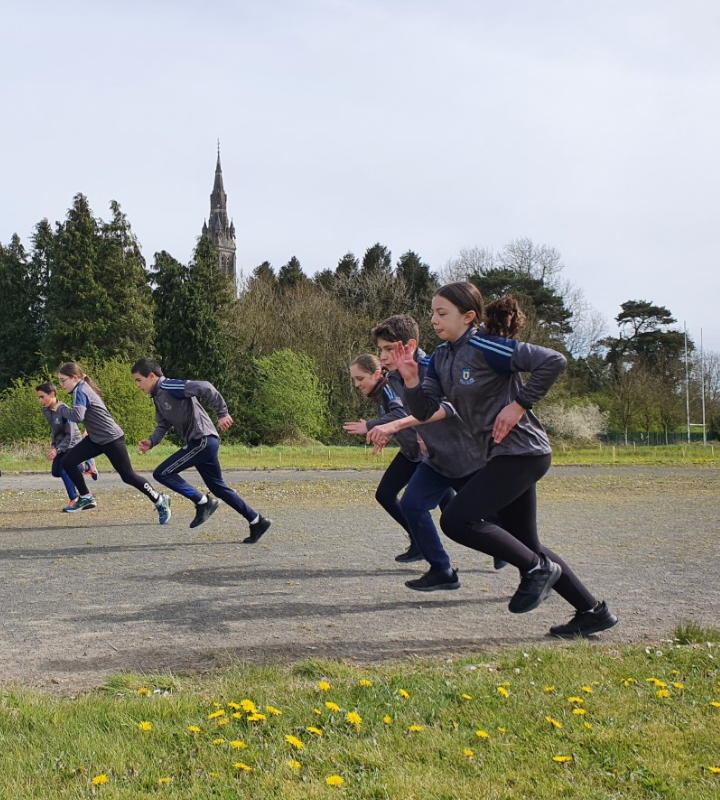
176,407
390,407
89,409
480,375
65,434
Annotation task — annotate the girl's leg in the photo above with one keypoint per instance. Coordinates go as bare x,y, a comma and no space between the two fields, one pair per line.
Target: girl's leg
117,454
70,462
396,478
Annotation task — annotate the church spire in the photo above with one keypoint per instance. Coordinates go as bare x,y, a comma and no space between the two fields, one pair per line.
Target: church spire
218,229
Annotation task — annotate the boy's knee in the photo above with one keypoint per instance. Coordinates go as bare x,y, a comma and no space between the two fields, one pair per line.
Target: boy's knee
158,476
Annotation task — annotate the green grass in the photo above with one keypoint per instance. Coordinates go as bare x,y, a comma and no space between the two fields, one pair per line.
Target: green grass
31,457
631,742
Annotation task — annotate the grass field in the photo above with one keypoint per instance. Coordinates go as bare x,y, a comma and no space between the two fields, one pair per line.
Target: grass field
32,456
581,721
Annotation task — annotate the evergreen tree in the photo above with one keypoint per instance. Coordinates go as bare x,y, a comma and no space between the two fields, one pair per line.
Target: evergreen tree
172,313
348,266
420,282
377,261
265,274
20,302
326,279
291,275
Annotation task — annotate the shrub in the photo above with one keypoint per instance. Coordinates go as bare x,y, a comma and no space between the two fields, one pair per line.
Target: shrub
290,397
21,417
581,422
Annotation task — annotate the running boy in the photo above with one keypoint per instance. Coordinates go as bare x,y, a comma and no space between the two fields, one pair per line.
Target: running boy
176,406
64,435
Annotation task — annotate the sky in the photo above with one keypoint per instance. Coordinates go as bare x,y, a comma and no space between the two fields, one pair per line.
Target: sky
592,126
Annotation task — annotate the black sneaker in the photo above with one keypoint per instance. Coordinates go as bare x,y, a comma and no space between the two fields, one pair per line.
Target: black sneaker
498,563
257,529
204,511
535,586
585,623
410,555
434,580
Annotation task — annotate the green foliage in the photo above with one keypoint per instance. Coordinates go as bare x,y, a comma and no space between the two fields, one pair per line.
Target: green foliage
21,416
290,397
291,274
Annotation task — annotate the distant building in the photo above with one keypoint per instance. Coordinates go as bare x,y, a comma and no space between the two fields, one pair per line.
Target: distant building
219,230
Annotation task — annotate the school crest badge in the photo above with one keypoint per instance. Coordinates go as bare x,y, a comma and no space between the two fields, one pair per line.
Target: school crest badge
466,378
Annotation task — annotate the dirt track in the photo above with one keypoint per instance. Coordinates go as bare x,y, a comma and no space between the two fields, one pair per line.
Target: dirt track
99,592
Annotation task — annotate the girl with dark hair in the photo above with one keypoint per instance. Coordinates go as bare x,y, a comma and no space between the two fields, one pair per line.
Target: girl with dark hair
104,436
479,374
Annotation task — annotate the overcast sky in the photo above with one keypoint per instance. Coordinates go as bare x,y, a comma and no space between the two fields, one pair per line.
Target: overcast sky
591,126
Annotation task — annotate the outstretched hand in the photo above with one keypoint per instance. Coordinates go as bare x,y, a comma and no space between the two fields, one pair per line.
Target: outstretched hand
356,428
404,357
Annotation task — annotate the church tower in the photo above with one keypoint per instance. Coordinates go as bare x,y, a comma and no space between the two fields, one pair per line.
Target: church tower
221,232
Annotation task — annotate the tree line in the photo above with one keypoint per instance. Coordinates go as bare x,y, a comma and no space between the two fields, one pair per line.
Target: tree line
279,347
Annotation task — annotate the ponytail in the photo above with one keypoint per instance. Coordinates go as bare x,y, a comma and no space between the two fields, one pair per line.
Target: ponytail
504,317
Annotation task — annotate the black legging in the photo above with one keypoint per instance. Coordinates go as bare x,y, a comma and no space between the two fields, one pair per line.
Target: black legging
505,489
396,478
117,454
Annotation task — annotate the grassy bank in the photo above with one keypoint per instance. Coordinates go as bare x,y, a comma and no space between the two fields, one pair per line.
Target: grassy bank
581,721
31,457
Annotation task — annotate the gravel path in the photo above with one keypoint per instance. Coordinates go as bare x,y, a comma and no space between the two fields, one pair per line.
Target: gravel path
87,595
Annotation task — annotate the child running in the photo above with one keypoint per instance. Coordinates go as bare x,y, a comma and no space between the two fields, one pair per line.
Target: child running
479,374
104,436
177,406
64,435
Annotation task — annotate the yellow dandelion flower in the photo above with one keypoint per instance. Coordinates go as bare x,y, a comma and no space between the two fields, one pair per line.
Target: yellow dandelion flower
223,721
553,722
317,712
193,729
248,706
98,780
237,715
163,781
365,682
715,703
294,741
579,711
293,764
334,780
213,774
244,767
218,741
218,705
387,719
503,691
629,682
549,689
482,734
505,684
235,706
353,718
323,686
405,695
314,730
466,696
502,730
144,692
145,726
663,693
332,706
416,728
578,700
716,770
468,753
273,710
587,689
238,744
456,725
562,759
596,683
657,683
679,685
216,714
256,717
588,726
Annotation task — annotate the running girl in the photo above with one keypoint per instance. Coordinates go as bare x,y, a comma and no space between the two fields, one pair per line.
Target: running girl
104,436
480,375
64,435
